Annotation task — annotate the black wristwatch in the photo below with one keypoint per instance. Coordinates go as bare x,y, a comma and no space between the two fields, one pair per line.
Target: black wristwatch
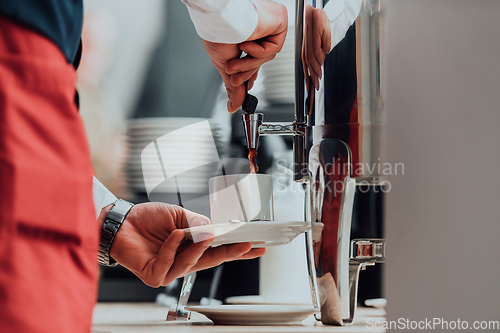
109,228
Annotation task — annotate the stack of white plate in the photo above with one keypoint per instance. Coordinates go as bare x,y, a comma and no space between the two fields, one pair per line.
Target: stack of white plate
188,154
279,78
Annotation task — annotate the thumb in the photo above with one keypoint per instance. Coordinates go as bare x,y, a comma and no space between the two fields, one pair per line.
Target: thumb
192,219
196,220
237,97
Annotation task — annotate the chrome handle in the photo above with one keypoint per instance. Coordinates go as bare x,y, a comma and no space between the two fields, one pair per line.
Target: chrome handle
177,311
367,250
364,252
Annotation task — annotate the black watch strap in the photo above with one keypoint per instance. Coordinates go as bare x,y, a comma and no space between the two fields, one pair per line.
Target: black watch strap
109,228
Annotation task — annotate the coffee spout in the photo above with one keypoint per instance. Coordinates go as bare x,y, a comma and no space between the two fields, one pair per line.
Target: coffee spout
251,124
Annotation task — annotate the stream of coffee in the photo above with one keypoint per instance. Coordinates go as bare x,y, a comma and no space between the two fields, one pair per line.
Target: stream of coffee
252,157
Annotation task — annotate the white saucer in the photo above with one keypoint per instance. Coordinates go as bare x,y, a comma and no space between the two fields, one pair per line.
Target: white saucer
379,303
255,314
259,233
260,300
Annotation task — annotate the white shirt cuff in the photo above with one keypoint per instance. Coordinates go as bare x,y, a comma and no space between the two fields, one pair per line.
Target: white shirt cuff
223,21
102,196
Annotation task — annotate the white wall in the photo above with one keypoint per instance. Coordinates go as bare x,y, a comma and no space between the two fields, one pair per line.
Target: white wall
138,27
443,104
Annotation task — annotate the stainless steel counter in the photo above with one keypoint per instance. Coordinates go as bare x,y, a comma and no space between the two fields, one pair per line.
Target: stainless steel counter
147,317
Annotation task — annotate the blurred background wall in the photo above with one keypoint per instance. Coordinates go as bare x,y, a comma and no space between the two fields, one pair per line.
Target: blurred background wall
119,39
127,33
443,108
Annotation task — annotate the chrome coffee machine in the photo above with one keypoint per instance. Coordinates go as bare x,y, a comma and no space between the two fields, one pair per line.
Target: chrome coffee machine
337,145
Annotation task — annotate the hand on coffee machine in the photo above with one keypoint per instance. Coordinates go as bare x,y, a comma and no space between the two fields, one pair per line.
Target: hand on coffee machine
262,46
316,44
151,244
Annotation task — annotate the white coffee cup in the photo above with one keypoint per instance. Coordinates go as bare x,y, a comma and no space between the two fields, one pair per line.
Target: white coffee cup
242,197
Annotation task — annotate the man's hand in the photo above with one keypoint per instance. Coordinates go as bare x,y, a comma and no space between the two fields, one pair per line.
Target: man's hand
316,44
263,45
221,54
151,244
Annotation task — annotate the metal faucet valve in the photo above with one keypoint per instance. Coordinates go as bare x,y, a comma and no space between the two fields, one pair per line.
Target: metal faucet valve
251,124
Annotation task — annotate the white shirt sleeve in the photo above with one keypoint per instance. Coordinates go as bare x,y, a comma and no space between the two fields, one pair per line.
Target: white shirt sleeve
223,21
102,196
342,14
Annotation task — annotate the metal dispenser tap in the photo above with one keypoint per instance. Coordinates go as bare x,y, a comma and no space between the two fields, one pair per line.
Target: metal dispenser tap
253,122
337,144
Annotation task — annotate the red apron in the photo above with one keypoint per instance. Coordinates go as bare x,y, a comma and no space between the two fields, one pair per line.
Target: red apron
48,232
